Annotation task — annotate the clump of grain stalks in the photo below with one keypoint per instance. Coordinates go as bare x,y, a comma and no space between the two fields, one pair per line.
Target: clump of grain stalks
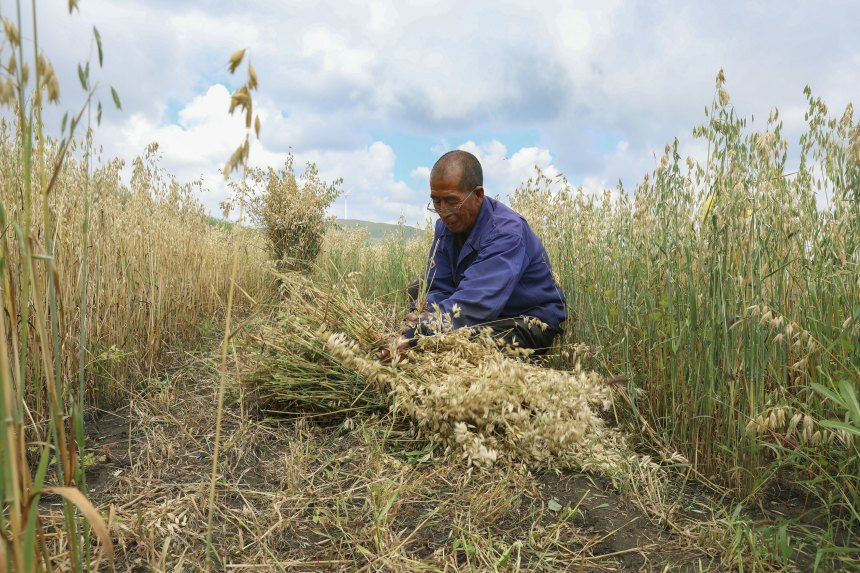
725,285
318,353
292,212
98,280
287,366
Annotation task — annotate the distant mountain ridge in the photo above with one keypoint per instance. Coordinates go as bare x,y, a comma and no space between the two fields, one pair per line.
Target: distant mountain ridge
377,231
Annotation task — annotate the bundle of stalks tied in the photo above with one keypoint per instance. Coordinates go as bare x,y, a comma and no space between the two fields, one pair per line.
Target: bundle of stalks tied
319,354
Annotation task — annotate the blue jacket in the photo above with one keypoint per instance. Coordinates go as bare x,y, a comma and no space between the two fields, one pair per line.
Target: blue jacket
501,271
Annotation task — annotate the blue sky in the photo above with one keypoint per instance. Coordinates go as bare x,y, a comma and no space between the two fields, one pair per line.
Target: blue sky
373,92
415,149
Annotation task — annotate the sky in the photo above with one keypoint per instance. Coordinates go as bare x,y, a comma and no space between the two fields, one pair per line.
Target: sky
373,92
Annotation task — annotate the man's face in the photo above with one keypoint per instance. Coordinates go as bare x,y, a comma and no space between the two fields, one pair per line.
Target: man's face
457,209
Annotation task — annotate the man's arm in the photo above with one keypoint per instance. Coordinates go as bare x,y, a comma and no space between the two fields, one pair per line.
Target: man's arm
440,279
439,274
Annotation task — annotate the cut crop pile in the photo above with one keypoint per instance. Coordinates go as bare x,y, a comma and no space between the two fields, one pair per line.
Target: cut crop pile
316,353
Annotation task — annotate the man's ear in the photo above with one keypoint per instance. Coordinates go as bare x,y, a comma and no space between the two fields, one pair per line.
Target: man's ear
479,192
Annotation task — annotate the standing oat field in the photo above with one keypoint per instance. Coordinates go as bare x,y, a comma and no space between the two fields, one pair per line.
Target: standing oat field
185,393
726,292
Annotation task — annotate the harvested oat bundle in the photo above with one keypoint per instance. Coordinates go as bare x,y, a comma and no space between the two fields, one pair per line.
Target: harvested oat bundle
456,387
465,394
288,369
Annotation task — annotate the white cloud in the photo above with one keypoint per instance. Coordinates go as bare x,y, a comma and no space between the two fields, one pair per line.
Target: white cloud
604,84
368,176
205,135
574,29
503,173
422,172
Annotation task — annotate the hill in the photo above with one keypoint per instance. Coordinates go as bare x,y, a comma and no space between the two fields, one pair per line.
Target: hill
376,231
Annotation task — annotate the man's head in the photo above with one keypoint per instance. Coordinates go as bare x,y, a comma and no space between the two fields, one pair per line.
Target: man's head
456,190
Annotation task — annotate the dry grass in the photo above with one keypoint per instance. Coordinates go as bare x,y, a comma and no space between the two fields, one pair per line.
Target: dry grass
98,280
157,269
464,406
101,282
317,350
364,492
726,290
360,495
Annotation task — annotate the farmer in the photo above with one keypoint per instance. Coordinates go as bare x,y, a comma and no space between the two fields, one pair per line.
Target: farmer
487,267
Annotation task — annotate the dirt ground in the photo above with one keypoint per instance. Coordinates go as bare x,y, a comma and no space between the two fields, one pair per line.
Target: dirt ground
357,494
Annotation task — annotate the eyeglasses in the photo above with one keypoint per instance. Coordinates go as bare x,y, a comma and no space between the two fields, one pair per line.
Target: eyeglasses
443,210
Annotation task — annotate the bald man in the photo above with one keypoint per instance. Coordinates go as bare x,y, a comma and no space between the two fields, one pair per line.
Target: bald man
487,262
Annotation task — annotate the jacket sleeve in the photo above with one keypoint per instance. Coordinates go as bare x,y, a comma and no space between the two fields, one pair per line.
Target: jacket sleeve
487,284
440,275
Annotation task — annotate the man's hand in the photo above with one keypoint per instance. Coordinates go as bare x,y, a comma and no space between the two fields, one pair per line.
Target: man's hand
413,317
396,344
